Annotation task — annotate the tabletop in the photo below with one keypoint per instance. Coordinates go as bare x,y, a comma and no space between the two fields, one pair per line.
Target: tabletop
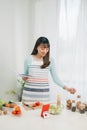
31,120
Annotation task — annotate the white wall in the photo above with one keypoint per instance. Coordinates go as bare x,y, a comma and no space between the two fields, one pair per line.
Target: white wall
21,23
15,43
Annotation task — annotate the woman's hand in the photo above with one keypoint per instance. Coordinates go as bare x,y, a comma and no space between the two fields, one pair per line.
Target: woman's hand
71,90
25,78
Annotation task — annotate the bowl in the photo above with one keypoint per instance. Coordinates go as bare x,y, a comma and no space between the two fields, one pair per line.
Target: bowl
55,109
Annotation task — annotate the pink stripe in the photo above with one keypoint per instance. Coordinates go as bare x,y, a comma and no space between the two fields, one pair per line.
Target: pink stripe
37,80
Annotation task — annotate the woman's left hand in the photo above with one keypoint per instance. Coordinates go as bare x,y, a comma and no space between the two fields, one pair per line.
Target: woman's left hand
72,90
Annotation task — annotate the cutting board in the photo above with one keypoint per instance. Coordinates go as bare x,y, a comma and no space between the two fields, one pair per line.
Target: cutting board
30,106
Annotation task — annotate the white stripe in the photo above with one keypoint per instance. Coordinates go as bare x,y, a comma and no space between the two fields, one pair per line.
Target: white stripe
40,99
36,87
36,93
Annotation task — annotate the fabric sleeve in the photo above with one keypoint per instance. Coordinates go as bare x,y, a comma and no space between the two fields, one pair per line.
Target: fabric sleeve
54,74
27,62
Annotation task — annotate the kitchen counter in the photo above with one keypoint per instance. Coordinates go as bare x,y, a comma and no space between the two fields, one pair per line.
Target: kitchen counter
31,120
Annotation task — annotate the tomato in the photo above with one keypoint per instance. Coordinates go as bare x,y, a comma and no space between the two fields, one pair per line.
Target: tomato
17,108
14,112
37,103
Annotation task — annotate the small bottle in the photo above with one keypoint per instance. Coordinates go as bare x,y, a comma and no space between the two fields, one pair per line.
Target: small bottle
73,106
68,104
86,107
78,102
82,108
58,100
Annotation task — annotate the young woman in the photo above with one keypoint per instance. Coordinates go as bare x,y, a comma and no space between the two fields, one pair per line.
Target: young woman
37,67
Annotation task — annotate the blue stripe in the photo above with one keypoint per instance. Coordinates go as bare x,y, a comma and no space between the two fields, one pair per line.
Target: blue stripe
36,89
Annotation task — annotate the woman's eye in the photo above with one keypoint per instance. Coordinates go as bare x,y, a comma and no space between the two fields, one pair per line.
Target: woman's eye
42,48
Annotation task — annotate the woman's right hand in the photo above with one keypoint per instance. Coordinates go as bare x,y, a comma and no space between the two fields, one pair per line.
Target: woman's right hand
71,90
25,78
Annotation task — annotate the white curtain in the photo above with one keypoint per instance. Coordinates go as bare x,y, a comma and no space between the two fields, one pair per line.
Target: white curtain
72,43
64,23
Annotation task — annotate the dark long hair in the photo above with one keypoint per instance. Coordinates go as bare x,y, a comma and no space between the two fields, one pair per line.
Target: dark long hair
45,41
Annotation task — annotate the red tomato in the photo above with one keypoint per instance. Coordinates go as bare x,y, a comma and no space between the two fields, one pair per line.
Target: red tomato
37,103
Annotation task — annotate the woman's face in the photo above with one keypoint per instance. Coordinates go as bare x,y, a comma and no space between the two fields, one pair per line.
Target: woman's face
42,49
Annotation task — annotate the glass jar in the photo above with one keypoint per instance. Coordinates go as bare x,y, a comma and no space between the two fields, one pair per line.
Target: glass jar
82,108
78,102
73,106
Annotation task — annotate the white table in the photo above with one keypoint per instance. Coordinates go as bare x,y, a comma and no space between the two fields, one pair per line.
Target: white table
31,120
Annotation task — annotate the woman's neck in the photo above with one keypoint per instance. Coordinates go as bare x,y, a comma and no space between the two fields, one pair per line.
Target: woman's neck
38,57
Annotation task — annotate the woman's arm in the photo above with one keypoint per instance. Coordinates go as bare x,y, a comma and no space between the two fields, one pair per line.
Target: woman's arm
54,74
27,62
57,80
